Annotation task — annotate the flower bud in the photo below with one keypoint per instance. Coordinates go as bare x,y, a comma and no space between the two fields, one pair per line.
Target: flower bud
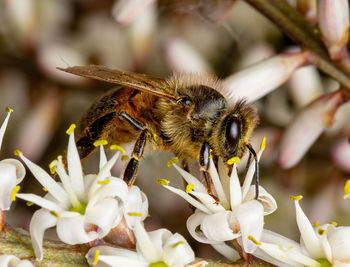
308,125
181,57
261,78
341,154
333,17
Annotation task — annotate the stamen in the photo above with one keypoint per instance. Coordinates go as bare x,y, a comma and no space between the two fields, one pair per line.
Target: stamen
8,110
163,182
97,253
189,188
100,142
316,224
172,161
263,144
335,224
321,231
136,214
45,189
347,189
296,198
233,160
256,242
18,152
178,243
52,166
125,157
116,147
71,129
29,203
14,192
104,181
13,262
54,213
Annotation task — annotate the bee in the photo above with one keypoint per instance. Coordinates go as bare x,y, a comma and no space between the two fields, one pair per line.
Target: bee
186,114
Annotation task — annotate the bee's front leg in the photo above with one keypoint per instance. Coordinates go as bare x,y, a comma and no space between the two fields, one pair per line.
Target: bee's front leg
204,163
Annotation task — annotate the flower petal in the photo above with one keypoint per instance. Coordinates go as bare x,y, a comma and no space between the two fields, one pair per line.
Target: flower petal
217,185
3,127
42,202
71,230
115,188
249,175
105,214
7,183
177,252
159,237
267,200
41,220
235,189
190,179
137,202
227,251
339,241
144,244
20,170
13,261
208,201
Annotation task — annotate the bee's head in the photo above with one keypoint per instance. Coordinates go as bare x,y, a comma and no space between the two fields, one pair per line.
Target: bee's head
235,129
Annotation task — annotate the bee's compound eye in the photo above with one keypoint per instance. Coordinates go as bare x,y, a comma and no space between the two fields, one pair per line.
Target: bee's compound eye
233,131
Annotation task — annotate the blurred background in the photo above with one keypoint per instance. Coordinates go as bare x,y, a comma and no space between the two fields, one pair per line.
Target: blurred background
160,38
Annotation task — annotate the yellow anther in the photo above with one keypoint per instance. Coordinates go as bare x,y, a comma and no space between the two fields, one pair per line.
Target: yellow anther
45,189
18,152
136,214
125,157
321,231
178,243
9,110
14,192
59,157
104,181
263,144
333,223
52,166
29,203
13,262
316,224
296,197
256,242
116,147
71,129
54,213
347,189
172,161
97,253
189,188
1,227
163,182
100,142
233,160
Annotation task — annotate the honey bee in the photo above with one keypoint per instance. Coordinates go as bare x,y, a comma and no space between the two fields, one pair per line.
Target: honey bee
186,114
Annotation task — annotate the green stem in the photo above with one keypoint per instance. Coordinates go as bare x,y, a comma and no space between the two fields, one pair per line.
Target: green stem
299,30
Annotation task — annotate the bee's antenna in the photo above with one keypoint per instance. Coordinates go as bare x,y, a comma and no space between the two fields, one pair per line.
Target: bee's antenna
252,152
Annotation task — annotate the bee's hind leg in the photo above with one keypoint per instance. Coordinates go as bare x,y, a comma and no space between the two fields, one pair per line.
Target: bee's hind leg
204,163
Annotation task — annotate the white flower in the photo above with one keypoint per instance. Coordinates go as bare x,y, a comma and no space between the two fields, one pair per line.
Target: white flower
325,245
83,208
157,248
237,215
12,172
13,261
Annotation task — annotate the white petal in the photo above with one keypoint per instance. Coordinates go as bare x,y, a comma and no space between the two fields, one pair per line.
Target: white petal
179,255
218,186
25,263
249,176
190,179
41,220
307,233
115,188
159,237
7,183
235,189
208,201
192,224
103,158
3,127
144,244
267,200
188,198
74,168
20,170
6,261
71,230
46,180
250,216
42,202
137,202
105,214
227,251
216,227
339,240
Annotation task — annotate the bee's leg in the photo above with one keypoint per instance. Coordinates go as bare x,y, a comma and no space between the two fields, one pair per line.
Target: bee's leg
204,161
252,152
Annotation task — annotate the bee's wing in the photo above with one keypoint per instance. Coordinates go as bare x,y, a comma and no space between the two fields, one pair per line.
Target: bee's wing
142,82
